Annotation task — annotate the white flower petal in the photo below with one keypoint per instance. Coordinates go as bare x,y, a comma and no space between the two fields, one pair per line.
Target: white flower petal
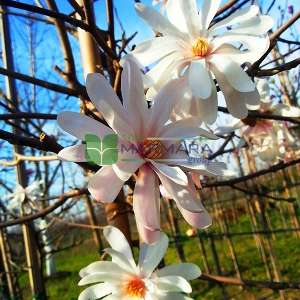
199,77
164,103
75,153
256,46
125,169
286,110
155,49
157,21
236,101
19,194
107,103
208,11
237,17
121,260
80,125
99,183
205,110
252,99
118,124
181,131
153,254
234,53
95,292
146,204
188,9
117,296
133,96
204,166
99,89
258,25
173,173
186,270
149,236
101,277
100,267
118,242
227,129
234,74
162,72
173,284
184,122
200,220
176,16
185,195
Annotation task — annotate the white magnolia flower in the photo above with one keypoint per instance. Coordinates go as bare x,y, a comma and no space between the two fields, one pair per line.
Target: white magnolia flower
150,138
269,106
25,198
123,279
26,201
194,47
270,141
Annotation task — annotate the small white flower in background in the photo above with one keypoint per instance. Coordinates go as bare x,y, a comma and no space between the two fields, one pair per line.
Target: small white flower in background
26,201
270,141
123,279
269,106
31,194
137,125
194,47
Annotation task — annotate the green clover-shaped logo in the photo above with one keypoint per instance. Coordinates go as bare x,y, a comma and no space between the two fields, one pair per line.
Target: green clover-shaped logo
102,152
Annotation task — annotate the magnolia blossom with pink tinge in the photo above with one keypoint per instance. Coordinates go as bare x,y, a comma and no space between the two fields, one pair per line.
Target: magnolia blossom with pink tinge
143,127
123,279
270,140
192,46
267,105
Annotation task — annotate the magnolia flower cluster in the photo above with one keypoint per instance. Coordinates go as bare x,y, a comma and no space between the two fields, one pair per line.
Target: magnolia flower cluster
191,56
123,279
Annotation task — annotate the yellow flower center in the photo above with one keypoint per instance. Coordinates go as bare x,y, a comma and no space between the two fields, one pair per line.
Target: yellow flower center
153,149
200,47
135,288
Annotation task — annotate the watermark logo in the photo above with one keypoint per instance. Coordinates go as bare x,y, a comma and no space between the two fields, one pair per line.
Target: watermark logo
108,150
102,151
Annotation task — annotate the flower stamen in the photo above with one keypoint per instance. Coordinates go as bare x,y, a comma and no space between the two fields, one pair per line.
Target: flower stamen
152,149
200,47
135,288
